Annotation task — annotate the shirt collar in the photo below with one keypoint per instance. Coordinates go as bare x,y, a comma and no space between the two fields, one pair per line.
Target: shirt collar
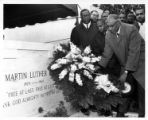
140,24
118,32
85,25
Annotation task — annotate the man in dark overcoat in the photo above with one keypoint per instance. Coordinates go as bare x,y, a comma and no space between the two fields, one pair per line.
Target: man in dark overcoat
84,34
129,47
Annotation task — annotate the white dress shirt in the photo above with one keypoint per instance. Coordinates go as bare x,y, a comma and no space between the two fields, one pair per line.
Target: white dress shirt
118,32
142,30
87,25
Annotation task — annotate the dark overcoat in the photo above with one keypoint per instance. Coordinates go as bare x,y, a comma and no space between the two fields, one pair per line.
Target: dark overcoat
129,47
83,37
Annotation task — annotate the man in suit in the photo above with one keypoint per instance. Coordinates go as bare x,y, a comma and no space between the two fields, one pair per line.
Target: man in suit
113,66
127,44
85,33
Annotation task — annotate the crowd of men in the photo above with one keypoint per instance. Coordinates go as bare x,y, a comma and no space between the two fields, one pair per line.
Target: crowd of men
119,39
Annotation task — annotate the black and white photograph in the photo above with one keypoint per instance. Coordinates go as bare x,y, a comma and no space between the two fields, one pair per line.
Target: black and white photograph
77,60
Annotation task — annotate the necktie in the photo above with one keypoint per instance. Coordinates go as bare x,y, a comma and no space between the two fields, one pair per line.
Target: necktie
87,26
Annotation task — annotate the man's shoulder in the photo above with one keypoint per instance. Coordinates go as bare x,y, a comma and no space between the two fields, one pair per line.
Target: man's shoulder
77,27
128,27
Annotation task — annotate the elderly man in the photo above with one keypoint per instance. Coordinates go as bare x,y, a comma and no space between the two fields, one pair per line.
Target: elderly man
140,16
127,44
113,66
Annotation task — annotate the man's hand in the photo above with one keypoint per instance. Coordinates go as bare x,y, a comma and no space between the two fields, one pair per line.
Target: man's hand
123,77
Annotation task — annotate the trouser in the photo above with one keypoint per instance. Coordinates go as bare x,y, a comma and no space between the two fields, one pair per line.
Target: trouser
137,93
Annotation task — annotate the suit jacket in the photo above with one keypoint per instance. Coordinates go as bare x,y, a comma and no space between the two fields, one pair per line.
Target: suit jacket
129,48
83,37
98,43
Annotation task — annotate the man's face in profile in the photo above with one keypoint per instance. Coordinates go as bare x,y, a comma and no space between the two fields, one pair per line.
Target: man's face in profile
113,24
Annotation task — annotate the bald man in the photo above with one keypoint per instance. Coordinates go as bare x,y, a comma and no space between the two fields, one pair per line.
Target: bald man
127,44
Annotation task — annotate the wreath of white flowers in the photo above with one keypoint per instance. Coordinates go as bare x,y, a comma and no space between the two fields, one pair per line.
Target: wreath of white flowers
87,60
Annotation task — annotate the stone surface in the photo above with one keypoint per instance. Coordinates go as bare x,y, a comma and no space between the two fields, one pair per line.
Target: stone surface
27,88
94,114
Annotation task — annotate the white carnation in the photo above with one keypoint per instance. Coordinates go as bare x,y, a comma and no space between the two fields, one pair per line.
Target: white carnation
63,74
55,66
73,56
90,66
68,56
86,73
103,82
81,65
87,50
111,88
71,76
93,60
73,67
107,89
86,59
74,49
114,89
78,79
102,79
62,61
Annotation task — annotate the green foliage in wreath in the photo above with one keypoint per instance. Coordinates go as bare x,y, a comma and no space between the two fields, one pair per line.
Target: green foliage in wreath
86,95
